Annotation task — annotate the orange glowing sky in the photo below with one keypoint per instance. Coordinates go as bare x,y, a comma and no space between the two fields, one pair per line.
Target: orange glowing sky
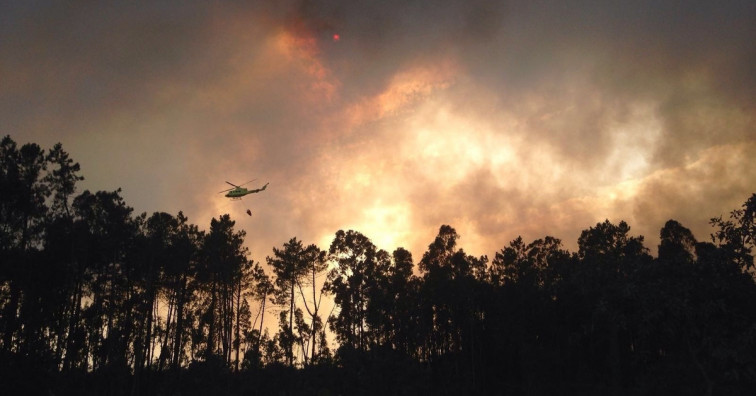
500,118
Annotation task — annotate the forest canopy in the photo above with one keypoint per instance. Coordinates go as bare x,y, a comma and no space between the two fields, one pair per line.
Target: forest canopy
95,299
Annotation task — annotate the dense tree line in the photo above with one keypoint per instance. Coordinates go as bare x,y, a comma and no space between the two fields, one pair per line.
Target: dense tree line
95,299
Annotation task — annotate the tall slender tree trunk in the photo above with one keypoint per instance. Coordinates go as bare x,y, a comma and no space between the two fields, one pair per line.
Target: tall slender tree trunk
314,315
177,343
238,317
291,327
148,335
360,318
262,320
211,332
224,325
164,342
228,323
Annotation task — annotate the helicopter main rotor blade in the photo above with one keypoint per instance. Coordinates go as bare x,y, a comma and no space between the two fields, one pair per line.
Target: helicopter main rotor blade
248,182
232,185
221,192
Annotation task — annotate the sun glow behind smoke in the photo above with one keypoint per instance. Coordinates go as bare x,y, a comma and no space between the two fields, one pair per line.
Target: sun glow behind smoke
486,175
447,148
427,144
411,158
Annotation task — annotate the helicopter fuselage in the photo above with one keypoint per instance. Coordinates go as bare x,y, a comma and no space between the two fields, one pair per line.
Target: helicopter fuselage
237,193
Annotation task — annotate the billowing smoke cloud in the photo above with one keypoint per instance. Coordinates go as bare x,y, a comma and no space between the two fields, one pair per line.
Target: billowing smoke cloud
500,118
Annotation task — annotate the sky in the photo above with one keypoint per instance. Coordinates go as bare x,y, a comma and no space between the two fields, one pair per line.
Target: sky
394,117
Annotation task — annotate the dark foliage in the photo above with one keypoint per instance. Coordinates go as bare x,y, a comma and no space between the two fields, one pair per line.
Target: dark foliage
95,300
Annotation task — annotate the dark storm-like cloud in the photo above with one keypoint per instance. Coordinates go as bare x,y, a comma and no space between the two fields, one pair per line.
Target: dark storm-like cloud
599,58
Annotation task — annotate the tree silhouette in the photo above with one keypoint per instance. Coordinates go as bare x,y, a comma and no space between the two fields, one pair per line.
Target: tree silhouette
314,262
609,257
354,279
22,214
221,268
289,265
737,236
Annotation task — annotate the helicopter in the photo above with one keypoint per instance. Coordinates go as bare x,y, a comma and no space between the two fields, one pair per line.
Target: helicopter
237,192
